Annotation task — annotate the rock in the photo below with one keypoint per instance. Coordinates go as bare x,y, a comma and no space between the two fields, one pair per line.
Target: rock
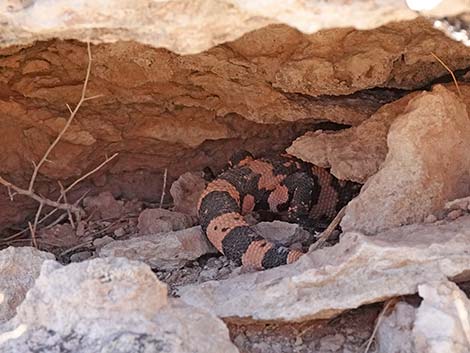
332,343
352,154
186,191
108,305
103,206
282,232
81,256
100,242
442,321
430,219
164,251
454,214
24,22
61,235
358,270
394,333
19,267
159,220
417,177
459,204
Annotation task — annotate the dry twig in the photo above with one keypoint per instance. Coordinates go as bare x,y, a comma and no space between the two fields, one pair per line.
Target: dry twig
328,231
165,174
61,203
451,73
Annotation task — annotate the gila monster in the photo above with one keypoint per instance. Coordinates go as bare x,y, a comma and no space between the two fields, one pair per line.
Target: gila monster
306,193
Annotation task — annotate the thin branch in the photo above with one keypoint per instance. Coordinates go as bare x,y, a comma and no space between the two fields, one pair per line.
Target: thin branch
379,320
40,199
73,113
165,174
450,71
328,231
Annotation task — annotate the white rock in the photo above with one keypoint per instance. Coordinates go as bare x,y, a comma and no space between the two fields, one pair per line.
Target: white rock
19,267
164,251
357,271
108,305
193,26
443,319
394,333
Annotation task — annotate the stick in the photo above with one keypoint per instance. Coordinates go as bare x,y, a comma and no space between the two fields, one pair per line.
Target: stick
451,73
73,113
164,187
328,231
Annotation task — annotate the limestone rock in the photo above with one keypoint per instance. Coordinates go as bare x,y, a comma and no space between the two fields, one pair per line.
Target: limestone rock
164,251
352,154
358,270
427,165
19,267
282,232
443,319
111,305
394,333
189,27
186,191
159,220
103,206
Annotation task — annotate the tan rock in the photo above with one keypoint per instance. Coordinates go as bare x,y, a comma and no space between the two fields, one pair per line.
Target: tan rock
19,268
427,165
159,220
163,251
358,270
109,305
186,191
352,154
443,319
103,206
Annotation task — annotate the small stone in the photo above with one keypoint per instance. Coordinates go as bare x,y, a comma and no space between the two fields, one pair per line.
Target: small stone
120,232
332,343
186,191
282,232
159,220
430,219
100,242
80,256
454,214
394,333
103,206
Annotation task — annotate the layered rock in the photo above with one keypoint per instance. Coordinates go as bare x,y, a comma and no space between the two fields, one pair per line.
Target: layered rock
357,271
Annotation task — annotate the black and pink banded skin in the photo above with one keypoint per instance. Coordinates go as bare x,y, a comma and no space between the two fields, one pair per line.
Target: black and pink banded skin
305,193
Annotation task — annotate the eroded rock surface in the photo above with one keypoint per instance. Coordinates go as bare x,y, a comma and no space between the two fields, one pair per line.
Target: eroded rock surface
111,305
164,251
189,27
427,165
358,270
443,319
19,267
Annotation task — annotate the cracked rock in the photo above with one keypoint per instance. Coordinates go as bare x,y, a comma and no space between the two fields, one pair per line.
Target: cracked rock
358,270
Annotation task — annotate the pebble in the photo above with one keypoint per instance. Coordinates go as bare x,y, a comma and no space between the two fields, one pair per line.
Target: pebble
99,242
430,219
454,214
81,256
